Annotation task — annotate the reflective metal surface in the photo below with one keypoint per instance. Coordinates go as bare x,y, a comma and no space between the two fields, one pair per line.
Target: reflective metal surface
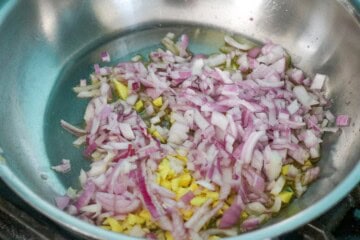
46,46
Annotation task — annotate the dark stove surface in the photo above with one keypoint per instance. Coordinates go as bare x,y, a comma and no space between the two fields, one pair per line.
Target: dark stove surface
18,221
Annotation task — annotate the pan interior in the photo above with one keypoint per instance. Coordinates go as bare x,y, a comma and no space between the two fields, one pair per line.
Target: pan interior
46,47
63,103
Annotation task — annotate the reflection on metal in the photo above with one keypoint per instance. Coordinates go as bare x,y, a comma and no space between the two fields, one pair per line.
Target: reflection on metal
120,11
2,159
48,20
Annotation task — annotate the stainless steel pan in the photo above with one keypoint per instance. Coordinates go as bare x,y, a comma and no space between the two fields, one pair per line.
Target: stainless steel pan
47,45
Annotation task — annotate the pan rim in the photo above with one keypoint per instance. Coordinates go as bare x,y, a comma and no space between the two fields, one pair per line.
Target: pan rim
86,229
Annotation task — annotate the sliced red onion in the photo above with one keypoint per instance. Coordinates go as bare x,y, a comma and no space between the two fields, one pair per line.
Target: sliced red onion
310,139
117,203
330,129
270,84
219,120
137,231
342,120
178,229
215,60
165,223
198,214
194,235
105,56
303,96
100,70
318,81
71,193
85,88
90,149
310,175
82,177
197,66
151,236
97,68
71,209
206,217
249,145
206,185
236,127
64,167
276,205
224,75
299,154
116,146
278,186
126,131
79,141
163,191
97,168
82,83
186,198
292,171
230,89
258,160
232,42
255,208
243,61
329,116
293,107
252,222
72,129
178,133
62,202
183,44
254,52
279,65
145,194
200,121
92,208
231,215
299,188
226,183
86,195
315,151
255,180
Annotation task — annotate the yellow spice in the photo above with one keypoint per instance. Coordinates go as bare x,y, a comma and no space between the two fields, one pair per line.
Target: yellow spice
139,105
168,236
213,237
187,214
185,180
285,170
182,158
121,89
213,195
114,224
286,196
158,102
198,201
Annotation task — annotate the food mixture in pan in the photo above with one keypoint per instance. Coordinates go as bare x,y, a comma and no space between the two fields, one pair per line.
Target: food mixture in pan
190,146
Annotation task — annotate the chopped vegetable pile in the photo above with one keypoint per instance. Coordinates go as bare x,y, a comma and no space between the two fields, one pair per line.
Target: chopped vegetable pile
189,146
